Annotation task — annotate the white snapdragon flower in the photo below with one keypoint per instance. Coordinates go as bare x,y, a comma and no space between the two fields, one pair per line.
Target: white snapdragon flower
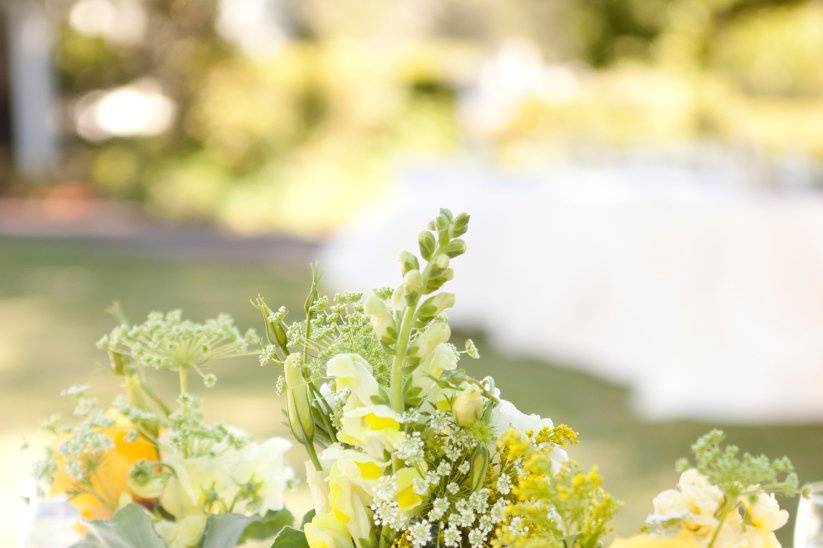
765,513
318,488
443,357
221,476
434,334
327,531
262,463
373,428
695,502
353,372
380,315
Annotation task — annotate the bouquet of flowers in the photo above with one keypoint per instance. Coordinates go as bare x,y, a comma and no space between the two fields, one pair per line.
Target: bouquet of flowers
143,472
405,448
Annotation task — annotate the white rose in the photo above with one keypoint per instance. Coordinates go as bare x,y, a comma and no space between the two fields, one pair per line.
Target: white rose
505,415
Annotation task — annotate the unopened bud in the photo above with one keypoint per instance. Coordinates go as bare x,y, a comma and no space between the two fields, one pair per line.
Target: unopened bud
468,406
408,262
480,462
441,261
297,400
413,282
119,362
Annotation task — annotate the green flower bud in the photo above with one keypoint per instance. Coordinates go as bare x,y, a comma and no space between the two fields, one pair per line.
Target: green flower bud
460,225
413,282
441,262
297,400
480,463
409,262
427,244
275,329
455,248
119,363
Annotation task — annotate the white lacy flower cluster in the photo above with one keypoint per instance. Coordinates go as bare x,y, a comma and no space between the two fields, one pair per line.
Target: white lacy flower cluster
420,473
693,511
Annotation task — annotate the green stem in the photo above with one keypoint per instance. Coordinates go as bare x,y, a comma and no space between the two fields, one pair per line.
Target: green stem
313,456
184,379
396,395
719,525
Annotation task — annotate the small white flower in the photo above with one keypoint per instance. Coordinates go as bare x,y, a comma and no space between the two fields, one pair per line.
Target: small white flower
420,533
452,536
452,488
504,484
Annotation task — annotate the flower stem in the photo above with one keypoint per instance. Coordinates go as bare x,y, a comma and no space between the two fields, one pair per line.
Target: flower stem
313,456
396,395
183,373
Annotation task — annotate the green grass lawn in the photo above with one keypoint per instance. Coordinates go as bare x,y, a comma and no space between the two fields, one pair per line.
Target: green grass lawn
52,301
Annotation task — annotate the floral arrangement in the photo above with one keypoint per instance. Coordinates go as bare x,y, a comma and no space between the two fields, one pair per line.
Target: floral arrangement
405,448
146,473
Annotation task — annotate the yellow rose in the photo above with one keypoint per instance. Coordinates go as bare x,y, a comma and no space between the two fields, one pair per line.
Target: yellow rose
649,541
110,481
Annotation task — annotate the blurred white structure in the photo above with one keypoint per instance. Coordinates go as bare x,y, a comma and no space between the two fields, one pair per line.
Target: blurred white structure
700,289
31,79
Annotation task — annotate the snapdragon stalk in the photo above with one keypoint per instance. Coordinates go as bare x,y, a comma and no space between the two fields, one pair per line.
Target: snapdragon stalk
396,396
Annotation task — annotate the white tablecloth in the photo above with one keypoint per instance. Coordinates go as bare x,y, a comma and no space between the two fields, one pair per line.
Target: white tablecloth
702,293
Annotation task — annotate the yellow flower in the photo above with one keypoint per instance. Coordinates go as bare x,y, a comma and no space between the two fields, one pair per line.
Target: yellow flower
649,541
407,498
100,498
326,531
373,428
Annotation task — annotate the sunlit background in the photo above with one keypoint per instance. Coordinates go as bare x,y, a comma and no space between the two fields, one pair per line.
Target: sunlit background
646,255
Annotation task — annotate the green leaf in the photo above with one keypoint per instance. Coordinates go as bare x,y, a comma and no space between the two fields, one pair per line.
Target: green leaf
307,517
289,537
131,526
224,530
267,526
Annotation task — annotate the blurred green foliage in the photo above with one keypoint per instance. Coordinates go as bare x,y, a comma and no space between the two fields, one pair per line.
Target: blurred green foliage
301,138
